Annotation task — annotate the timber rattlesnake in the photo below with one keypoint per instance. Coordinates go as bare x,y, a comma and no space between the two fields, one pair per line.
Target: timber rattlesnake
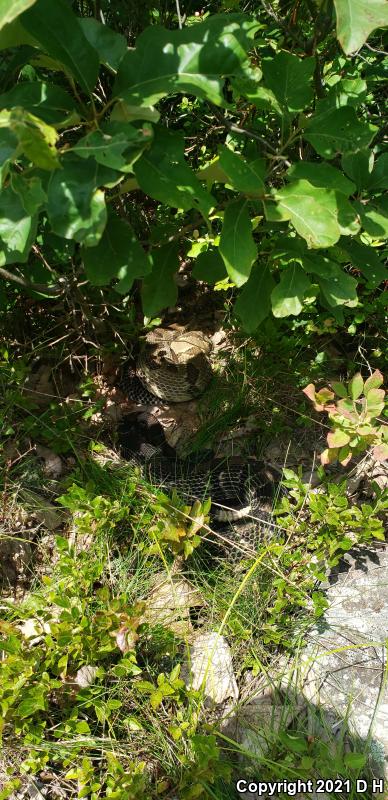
174,367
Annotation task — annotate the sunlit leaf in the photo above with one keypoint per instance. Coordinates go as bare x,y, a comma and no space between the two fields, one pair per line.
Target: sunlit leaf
237,246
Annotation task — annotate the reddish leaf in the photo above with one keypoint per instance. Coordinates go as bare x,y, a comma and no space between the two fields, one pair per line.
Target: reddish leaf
329,456
375,401
324,395
380,452
346,408
374,381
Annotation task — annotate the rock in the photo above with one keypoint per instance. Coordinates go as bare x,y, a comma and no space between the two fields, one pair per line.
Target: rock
169,604
342,668
210,668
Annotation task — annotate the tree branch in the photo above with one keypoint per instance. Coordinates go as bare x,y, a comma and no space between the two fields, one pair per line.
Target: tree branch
55,290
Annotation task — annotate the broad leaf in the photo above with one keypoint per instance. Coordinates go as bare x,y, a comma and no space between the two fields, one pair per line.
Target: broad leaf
355,387
254,301
111,46
17,228
323,175
346,92
379,177
237,246
339,131
10,9
76,207
30,192
59,32
359,167
163,173
245,176
8,149
196,60
118,255
287,296
209,267
48,102
319,215
337,287
117,145
337,438
159,289
35,138
366,260
374,218
289,78
374,381
356,19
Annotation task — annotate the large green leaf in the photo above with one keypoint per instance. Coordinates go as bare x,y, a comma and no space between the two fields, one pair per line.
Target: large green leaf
117,145
30,191
237,246
59,32
35,138
209,266
196,60
111,46
339,131
245,176
76,207
379,177
366,260
254,301
374,218
159,289
319,215
118,255
337,287
356,19
289,78
163,173
346,92
17,228
287,296
323,175
359,167
48,102
10,9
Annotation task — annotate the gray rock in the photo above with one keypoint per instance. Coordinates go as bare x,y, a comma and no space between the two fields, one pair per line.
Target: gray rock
210,668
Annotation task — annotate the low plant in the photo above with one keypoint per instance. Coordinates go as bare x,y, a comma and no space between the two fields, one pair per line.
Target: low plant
353,410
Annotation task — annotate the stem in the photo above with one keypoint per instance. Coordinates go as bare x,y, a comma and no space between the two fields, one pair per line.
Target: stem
55,290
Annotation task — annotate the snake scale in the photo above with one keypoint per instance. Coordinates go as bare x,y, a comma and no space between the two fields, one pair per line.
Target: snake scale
174,367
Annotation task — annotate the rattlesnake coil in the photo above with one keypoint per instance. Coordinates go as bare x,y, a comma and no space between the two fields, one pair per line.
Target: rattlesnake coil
174,367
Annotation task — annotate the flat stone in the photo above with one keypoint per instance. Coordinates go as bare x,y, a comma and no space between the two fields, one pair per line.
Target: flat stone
210,668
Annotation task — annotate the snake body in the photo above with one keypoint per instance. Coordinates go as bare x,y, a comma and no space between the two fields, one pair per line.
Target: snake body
174,367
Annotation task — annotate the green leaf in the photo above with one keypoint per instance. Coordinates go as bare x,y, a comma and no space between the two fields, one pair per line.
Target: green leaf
237,246
118,145
289,78
254,301
59,32
379,177
195,60
338,438
30,192
163,173
355,387
323,175
337,286
374,381
346,92
245,176
76,207
8,148
209,266
117,255
355,760
33,700
374,218
17,229
339,388
359,167
315,212
375,401
36,139
338,131
10,9
47,101
287,296
367,261
159,289
356,19
111,46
